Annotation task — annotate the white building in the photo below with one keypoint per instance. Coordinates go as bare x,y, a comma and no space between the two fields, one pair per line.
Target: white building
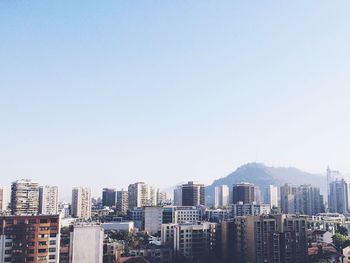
153,219
141,194
221,196
3,199
48,200
86,244
64,209
25,197
81,202
127,226
186,214
271,196
252,209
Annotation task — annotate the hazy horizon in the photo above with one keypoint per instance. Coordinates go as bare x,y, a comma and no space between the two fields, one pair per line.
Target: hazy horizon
103,94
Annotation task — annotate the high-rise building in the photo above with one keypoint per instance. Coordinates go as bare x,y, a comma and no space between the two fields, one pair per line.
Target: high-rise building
81,202
177,196
221,196
122,201
338,196
197,244
331,176
161,197
308,200
109,197
3,199
271,196
48,200
24,197
287,193
30,238
141,194
267,238
193,194
243,192
86,244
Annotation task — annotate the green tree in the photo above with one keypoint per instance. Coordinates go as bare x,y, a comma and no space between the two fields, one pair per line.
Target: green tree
342,230
340,241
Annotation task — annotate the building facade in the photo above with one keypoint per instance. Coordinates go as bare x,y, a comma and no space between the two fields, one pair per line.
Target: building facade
221,196
122,201
109,197
30,238
193,194
81,202
48,200
243,192
86,244
24,197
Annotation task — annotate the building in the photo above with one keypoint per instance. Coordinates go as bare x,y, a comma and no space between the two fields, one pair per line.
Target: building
253,209
221,196
141,194
86,244
190,241
338,196
162,197
346,254
48,200
271,196
127,226
243,192
331,176
30,238
137,216
64,209
153,219
287,193
3,199
267,238
193,194
81,202
153,254
308,200
178,196
25,197
109,197
218,215
122,201
293,241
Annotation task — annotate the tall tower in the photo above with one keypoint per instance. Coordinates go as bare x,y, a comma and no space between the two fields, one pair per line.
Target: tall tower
244,192
193,194
48,200
109,197
24,197
3,199
81,202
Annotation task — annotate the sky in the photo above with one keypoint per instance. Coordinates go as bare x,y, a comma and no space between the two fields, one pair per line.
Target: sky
107,93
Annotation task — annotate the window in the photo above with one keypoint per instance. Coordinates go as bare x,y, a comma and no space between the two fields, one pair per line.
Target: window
53,220
32,221
29,259
41,250
43,221
8,244
30,251
52,242
52,249
52,257
52,234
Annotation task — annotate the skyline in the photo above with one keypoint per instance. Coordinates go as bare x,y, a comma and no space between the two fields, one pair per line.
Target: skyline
162,92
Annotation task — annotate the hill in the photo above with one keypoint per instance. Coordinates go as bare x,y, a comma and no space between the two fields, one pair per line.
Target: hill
262,176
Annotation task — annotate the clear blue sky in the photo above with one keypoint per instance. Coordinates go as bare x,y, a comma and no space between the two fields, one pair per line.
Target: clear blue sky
105,93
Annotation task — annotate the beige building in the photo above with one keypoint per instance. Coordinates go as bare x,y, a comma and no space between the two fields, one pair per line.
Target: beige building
48,200
81,202
3,199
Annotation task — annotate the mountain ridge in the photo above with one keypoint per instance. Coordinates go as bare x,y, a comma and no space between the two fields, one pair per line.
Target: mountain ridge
262,176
